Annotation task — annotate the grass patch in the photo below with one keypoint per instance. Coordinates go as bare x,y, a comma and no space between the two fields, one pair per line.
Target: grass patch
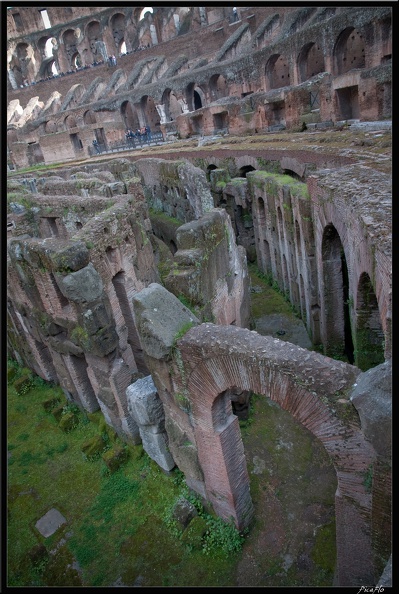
116,525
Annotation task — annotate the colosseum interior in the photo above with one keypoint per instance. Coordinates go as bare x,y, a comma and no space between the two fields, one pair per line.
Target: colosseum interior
268,143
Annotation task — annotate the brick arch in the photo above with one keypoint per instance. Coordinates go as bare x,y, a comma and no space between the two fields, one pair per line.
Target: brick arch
247,161
349,51
310,61
118,23
277,72
223,357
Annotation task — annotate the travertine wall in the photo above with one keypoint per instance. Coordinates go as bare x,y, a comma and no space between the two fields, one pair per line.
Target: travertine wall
277,67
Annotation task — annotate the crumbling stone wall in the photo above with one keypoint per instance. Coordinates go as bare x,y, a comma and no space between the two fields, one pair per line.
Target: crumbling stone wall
193,376
272,70
75,263
85,309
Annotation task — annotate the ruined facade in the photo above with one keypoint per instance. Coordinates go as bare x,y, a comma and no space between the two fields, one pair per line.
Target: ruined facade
104,258
197,73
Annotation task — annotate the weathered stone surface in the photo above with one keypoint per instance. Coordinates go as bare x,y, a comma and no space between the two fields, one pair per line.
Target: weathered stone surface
50,522
184,512
95,318
146,408
65,346
372,397
59,256
386,577
83,285
115,457
93,446
144,403
160,316
183,451
156,446
195,532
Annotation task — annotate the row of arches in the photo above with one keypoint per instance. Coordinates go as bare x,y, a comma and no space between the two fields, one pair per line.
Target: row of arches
340,309
281,69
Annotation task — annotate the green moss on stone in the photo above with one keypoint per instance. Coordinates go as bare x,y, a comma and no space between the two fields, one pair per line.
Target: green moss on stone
195,532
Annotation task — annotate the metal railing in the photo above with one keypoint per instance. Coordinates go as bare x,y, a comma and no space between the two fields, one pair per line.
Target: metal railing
138,141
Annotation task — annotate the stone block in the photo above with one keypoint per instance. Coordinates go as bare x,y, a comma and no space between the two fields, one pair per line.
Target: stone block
144,404
60,255
156,446
50,404
115,457
82,286
93,447
23,384
195,532
372,398
160,316
50,522
68,422
184,512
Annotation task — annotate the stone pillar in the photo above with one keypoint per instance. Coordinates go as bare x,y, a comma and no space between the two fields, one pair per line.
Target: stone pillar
354,552
146,408
102,50
12,80
161,111
62,57
153,34
184,106
203,16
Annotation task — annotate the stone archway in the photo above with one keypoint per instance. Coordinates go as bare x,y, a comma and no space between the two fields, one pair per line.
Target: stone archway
369,336
313,390
336,317
310,61
349,51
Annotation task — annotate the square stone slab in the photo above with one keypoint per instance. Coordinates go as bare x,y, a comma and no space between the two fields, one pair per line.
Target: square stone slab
50,522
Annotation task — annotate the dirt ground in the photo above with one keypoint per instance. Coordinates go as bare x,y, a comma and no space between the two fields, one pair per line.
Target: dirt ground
293,483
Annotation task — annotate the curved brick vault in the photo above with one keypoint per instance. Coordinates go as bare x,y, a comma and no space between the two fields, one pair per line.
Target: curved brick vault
314,389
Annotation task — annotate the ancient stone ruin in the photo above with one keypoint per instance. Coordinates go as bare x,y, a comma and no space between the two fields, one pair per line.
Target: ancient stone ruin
127,276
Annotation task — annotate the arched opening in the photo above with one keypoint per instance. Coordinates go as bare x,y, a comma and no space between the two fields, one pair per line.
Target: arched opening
70,122
284,460
349,51
208,171
89,117
144,12
244,170
93,34
337,336
129,116
369,332
283,376
310,61
293,174
118,28
70,40
76,61
23,64
150,113
194,97
198,98
48,67
277,72
218,87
